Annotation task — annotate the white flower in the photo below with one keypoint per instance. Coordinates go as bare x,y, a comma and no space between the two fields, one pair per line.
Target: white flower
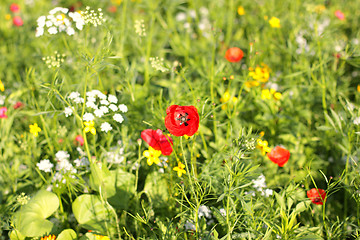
68,111
91,94
356,121
62,155
81,162
45,165
101,95
259,183
222,212
91,105
91,99
181,16
117,117
267,192
39,31
74,95
70,31
105,127
2,99
112,98
189,226
104,109
53,30
41,21
88,117
65,166
78,100
123,108
204,211
115,157
113,107
98,113
104,102
58,177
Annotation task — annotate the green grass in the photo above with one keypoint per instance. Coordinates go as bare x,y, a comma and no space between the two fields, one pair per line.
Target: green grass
313,61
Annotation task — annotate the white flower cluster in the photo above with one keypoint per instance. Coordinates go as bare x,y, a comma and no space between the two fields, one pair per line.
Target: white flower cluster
98,105
116,155
260,185
140,28
158,64
93,17
63,166
204,24
55,60
59,20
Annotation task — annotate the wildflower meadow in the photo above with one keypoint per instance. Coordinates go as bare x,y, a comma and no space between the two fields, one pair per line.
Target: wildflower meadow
179,119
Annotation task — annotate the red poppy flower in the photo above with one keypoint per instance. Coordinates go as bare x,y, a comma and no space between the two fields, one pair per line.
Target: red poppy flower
317,196
279,155
18,105
234,54
157,140
80,140
181,120
17,21
14,7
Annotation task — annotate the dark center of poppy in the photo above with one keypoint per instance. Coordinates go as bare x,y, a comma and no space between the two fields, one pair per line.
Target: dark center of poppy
183,119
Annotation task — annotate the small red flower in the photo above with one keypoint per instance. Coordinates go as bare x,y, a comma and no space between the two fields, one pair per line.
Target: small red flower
279,155
80,140
14,7
317,196
340,15
3,111
17,21
18,105
158,141
234,54
182,120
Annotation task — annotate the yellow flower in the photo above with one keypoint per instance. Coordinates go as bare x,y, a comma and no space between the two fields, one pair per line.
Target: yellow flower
180,169
2,88
50,237
260,74
268,94
100,237
89,127
34,129
263,146
262,133
266,18
116,2
152,156
7,16
265,94
226,97
277,96
251,84
358,88
274,22
319,9
241,10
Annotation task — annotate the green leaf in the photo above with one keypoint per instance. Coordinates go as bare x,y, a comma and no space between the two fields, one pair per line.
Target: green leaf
88,236
90,212
280,200
310,237
300,207
16,235
31,219
118,186
67,234
156,186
